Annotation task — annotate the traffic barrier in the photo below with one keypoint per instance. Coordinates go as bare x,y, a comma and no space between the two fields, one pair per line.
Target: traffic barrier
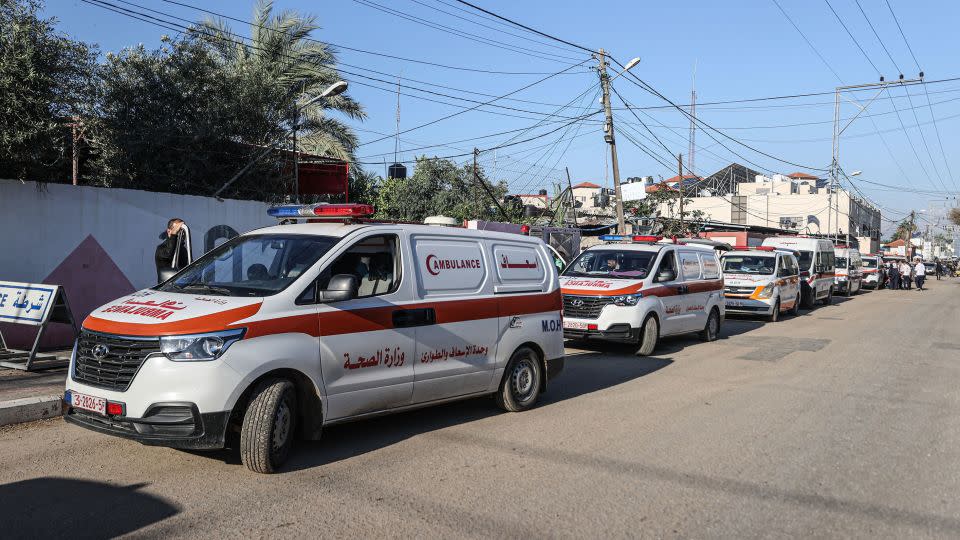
34,304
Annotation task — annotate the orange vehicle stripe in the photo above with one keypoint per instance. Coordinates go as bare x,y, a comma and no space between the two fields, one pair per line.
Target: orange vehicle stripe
196,325
337,322
613,292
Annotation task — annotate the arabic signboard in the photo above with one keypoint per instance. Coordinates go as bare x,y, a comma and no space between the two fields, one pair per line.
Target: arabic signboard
26,303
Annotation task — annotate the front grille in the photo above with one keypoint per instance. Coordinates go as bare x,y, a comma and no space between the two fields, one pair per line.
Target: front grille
730,289
589,308
115,371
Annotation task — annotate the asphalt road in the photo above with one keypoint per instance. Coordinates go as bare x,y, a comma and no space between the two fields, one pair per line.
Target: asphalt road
839,423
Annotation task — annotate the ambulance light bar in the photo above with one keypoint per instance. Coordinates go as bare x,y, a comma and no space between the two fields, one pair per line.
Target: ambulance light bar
322,210
629,238
761,248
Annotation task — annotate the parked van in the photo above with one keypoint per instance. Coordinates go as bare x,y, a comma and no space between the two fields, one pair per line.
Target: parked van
849,270
761,281
816,259
287,329
637,289
874,271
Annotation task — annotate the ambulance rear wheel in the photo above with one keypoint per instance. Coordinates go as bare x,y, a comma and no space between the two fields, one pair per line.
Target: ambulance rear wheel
522,382
649,335
828,299
711,331
775,314
268,426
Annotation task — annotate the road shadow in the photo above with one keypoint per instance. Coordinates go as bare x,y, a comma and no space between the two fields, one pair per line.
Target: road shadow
584,373
70,508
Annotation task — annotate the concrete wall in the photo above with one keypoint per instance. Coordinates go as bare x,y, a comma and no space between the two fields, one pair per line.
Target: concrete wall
99,243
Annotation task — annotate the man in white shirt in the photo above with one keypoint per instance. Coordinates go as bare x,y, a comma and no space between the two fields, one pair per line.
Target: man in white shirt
905,277
921,273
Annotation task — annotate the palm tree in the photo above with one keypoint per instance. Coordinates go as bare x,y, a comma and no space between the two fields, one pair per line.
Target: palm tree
282,63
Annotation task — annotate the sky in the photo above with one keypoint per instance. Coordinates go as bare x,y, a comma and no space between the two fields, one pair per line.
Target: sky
903,142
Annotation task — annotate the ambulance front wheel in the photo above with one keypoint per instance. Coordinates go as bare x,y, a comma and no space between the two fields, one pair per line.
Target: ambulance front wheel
522,381
795,310
711,331
649,335
268,426
775,312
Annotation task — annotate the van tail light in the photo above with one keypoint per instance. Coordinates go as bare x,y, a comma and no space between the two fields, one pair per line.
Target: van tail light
804,273
114,408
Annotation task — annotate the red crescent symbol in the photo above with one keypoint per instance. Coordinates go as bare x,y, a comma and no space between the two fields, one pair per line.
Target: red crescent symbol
429,266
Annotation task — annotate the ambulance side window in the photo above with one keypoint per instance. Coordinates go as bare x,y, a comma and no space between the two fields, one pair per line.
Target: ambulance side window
689,265
669,262
711,270
374,261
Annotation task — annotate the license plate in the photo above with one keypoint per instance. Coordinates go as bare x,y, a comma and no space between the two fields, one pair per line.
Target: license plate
734,303
89,403
575,325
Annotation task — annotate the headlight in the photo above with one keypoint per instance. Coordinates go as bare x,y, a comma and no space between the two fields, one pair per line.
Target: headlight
766,292
199,347
627,299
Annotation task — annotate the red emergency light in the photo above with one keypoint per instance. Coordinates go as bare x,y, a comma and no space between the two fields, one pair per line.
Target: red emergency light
646,238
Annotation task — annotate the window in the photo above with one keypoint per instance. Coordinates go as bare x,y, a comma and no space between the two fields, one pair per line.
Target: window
669,262
255,265
749,264
689,265
609,263
711,270
374,261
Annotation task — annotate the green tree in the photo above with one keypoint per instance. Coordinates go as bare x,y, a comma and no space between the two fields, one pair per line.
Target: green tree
280,69
439,187
44,80
954,215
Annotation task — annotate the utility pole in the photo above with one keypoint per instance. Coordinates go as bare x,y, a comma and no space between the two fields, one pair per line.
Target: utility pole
573,203
610,139
838,131
680,185
76,154
476,179
907,244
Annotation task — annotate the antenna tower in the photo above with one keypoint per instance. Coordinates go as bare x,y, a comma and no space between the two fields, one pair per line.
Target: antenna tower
692,137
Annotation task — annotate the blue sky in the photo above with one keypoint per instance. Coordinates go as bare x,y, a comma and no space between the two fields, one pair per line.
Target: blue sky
740,49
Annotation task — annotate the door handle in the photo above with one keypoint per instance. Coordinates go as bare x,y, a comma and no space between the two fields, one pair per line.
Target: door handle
682,289
407,318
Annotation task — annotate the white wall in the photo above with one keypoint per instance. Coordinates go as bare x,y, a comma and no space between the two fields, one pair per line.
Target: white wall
52,233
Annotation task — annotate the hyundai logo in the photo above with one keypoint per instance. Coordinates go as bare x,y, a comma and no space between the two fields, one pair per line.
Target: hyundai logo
100,351
576,302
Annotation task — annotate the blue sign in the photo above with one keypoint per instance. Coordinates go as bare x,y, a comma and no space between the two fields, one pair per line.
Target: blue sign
26,303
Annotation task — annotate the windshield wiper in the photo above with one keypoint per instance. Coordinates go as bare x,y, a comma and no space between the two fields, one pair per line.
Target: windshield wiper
208,288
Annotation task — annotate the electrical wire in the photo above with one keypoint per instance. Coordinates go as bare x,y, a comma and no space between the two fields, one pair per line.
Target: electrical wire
849,33
525,27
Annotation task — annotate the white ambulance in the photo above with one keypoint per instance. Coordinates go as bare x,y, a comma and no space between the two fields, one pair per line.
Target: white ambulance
874,271
636,289
849,269
761,280
816,259
287,329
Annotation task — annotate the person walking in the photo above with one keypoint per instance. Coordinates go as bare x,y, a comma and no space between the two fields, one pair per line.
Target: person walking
921,273
938,268
893,273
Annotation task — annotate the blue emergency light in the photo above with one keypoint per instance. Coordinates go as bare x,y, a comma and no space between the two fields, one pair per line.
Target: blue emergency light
629,238
322,210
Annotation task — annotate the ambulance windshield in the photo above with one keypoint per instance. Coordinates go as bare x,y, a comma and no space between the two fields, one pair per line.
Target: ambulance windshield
257,265
749,264
840,262
610,263
869,263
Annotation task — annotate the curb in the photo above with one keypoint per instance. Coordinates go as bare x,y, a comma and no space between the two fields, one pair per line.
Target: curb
29,409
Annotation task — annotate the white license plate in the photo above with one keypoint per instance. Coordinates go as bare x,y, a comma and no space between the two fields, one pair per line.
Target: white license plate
734,303
89,403
575,325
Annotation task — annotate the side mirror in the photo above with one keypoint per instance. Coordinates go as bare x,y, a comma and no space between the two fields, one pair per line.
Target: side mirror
666,275
341,287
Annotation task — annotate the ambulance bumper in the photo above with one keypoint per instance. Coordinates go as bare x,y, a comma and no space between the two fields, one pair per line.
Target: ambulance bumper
617,332
747,306
175,425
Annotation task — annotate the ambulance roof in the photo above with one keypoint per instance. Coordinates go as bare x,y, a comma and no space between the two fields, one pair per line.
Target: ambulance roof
647,246
340,230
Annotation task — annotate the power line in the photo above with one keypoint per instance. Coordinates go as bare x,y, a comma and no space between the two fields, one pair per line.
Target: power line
525,27
882,44
857,43
804,36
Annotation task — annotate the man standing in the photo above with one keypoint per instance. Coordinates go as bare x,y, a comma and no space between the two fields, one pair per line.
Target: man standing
906,274
921,273
173,252
893,272
939,269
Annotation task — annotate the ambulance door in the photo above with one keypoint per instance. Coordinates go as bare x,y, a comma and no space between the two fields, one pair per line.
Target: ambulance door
695,293
456,348
367,358
669,293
